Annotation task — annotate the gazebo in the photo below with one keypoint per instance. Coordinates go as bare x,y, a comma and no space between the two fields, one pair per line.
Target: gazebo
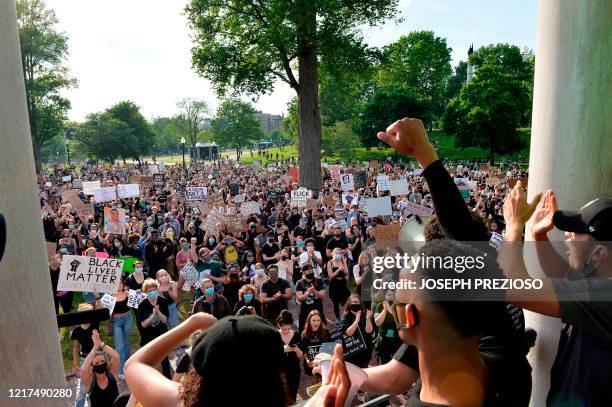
204,151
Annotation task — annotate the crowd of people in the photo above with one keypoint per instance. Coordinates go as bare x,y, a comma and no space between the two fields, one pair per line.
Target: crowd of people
259,304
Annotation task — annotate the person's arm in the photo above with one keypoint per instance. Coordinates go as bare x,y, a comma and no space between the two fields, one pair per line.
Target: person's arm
145,322
369,327
350,331
194,255
318,259
173,291
380,318
391,378
148,385
114,359
287,294
86,376
551,262
162,317
330,273
265,299
320,294
75,357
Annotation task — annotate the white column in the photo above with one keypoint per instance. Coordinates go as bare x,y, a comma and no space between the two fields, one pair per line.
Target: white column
571,140
30,355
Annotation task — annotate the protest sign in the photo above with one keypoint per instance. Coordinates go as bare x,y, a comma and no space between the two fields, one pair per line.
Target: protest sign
382,183
329,201
387,235
196,193
512,182
239,199
81,273
295,174
128,263
77,183
128,191
360,179
153,168
492,181
161,165
335,171
496,240
350,198
145,180
48,184
159,180
134,299
215,199
398,187
299,196
311,204
105,194
108,301
330,222
189,273
234,189
350,344
114,220
379,206
347,182
373,163
90,186
250,207
71,196
66,178
416,209
235,223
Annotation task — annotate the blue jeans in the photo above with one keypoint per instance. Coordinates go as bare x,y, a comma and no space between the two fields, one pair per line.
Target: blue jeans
173,319
81,393
123,340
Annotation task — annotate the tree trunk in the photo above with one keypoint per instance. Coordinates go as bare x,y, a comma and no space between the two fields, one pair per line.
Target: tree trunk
36,148
309,115
237,154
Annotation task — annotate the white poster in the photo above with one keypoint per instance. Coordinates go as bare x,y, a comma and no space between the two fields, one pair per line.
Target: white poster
66,178
416,209
82,273
196,193
347,182
239,199
128,190
89,186
299,196
189,273
105,194
134,299
153,169
350,198
77,183
398,187
250,207
108,301
379,206
382,183
496,240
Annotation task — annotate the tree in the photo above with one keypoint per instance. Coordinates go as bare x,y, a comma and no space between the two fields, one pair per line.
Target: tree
191,118
235,125
103,136
385,107
419,61
455,82
339,139
142,134
487,112
246,45
43,50
290,123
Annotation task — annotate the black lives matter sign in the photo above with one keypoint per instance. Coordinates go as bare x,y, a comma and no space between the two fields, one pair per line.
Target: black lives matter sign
83,273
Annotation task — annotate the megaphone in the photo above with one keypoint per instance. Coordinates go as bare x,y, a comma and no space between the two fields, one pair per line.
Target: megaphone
412,237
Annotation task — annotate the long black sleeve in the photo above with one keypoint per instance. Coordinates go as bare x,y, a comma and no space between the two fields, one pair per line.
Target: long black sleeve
452,212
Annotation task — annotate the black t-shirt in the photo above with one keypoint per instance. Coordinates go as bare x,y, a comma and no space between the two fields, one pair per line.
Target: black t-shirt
333,243
304,232
183,364
274,308
156,328
312,302
290,359
270,250
132,284
83,336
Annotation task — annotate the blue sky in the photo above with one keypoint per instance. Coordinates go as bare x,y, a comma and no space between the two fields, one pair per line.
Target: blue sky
140,49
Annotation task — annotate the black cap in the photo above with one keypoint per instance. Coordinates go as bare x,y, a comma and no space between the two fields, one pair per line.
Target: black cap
594,218
229,343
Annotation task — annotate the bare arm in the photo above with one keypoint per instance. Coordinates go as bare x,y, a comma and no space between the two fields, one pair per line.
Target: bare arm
391,378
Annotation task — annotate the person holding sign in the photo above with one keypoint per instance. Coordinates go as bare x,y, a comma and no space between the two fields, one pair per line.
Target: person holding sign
99,371
354,323
153,315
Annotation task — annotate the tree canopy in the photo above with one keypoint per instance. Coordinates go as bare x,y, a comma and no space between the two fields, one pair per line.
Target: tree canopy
235,125
142,135
103,137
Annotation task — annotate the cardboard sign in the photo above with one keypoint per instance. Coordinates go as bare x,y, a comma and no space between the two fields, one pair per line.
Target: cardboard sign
134,299
382,183
373,163
360,179
189,273
311,204
114,220
235,223
159,179
81,273
90,186
379,206
153,168
496,240
196,193
387,235
234,189
299,196
329,201
66,178
250,207
106,194
512,182
216,199
128,191
347,182
108,301
350,198
492,181
77,183
335,171
416,209
239,199
398,187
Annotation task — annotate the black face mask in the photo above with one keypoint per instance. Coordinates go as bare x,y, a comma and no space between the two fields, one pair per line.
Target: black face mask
354,307
101,368
234,276
284,257
309,276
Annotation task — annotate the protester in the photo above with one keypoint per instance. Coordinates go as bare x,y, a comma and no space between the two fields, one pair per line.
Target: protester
98,373
122,327
247,298
292,352
153,315
313,336
211,302
309,293
82,344
338,275
275,293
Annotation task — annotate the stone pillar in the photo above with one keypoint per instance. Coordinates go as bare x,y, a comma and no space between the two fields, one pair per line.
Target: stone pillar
571,140
30,355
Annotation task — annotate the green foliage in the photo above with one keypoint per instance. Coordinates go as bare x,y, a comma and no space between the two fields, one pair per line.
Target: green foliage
103,137
290,123
385,107
43,50
235,125
455,82
487,112
142,134
419,61
339,139
190,120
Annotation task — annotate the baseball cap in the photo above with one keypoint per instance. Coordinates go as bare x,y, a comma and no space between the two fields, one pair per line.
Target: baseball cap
594,218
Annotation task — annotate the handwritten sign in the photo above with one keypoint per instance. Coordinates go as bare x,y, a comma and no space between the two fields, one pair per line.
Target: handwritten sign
105,194
66,178
347,182
492,181
81,273
398,187
416,209
153,168
77,183
108,301
159,179
90,186
311,204
350,198
387,235
299,196
216,199
134,299
196,193
382,183
250,208
189,273
379,206
128,191
496,240
350,344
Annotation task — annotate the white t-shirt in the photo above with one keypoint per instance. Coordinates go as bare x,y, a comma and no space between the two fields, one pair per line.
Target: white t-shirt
304,260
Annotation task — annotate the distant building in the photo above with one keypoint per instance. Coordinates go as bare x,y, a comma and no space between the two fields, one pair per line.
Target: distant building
269,122
470,67
204,151
264,145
